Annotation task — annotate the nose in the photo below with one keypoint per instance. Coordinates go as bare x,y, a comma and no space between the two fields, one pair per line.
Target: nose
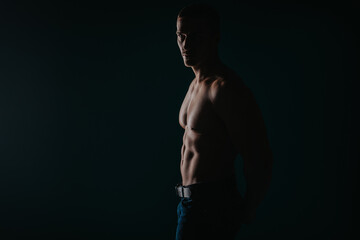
187,44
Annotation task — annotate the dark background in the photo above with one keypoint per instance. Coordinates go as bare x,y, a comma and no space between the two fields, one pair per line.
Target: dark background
90,94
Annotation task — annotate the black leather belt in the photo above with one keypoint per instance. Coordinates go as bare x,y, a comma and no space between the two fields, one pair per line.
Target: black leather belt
213,188
182,191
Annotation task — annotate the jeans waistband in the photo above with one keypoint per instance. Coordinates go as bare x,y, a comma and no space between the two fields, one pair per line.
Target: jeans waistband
221,187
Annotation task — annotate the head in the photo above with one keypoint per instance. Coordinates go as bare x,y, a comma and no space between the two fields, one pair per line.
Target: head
198,34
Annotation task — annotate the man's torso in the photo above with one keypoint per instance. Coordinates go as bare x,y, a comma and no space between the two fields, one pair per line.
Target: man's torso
207,153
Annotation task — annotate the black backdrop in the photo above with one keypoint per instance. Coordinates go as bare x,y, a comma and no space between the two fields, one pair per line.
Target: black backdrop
89,99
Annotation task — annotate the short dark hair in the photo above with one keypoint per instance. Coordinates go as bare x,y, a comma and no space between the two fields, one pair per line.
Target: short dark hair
202,11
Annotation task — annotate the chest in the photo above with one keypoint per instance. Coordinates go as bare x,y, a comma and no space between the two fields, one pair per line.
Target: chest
196,111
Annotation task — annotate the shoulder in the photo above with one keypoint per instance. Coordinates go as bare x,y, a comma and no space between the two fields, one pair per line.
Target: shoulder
229,86
191,86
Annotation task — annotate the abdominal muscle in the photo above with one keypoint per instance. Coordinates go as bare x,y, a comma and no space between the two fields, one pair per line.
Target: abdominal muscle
205,157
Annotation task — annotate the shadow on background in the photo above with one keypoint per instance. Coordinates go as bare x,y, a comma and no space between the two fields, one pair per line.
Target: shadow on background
90,94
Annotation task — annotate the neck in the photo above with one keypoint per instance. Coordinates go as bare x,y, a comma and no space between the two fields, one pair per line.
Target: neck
207,69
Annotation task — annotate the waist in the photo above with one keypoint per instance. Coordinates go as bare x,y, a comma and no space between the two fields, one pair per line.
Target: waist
217,188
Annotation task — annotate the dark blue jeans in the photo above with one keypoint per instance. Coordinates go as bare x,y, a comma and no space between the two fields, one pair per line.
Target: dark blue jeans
213,213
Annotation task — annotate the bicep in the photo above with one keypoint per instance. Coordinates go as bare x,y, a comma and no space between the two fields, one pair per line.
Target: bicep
231,102
241,115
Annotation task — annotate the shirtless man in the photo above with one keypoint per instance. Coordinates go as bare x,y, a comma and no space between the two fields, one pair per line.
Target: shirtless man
221,120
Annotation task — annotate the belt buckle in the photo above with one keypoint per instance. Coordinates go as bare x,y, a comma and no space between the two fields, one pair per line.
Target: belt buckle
179,185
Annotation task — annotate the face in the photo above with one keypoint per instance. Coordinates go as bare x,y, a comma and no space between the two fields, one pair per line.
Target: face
196,41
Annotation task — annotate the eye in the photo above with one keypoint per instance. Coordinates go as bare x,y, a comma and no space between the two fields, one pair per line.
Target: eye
180,36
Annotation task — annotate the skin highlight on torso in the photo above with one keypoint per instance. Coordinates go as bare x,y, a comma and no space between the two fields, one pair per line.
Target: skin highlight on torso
207,153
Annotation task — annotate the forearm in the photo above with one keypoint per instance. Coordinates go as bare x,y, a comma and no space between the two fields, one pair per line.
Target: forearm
257,176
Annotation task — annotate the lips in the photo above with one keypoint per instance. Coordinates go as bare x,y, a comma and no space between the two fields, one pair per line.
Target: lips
188,54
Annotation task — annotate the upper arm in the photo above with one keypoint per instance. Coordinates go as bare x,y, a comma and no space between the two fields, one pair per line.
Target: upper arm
230,101
234,103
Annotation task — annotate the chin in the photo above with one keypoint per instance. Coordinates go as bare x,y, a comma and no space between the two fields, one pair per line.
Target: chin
190,63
